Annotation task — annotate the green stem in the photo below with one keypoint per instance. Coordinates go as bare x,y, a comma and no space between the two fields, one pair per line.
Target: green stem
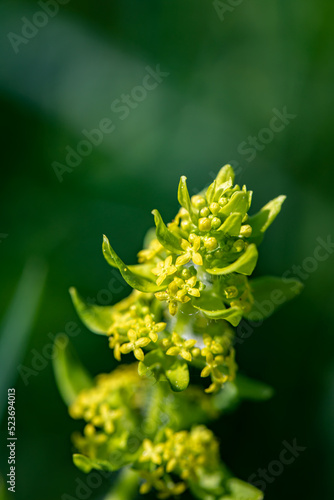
125,487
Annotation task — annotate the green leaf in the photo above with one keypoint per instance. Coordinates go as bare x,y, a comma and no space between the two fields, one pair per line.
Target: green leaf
225,174
220,191
270,293
86,464
239,202
156,364
252,390
125,487
266,216
106,252
239,490
178,375
245,264
96,318
210,194
135,276
71,376
184,198
232,224
213,307
227,398
149,236
166,237
152,365
233,314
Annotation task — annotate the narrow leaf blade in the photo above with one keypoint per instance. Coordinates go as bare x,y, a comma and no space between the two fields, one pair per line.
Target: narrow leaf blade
96,318
245,264
166,237
71,376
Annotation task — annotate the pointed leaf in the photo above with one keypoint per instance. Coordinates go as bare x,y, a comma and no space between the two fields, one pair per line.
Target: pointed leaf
152,365
232,224
214,308
71,376
233,314
178,375
220,191
149,236
252,390
227,398
239,490
266,216
270,293
210,194
245,264
96,318
184,198
225,174
135,276
165,236
106,252
86,464
239,202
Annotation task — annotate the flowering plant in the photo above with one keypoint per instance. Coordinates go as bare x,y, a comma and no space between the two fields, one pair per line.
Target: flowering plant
190,287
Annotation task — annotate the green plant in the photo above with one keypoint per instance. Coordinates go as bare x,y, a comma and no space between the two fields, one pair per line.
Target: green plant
191,287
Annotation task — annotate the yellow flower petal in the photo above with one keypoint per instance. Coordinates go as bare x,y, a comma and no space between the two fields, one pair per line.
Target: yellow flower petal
173,351
139,354
206,371
183,259
186,355
197,259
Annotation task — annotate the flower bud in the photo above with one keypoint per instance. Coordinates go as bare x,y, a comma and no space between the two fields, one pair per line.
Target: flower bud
231,292
185,225
246,230
216,223
210,243
222,201
214,207
238,245
198,201
204,224
196,352
204,212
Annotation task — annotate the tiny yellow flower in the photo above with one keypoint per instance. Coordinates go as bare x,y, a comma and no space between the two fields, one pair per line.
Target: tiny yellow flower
172,295
152,480
164,269
190,252
151,452
181,347
135,345
187,287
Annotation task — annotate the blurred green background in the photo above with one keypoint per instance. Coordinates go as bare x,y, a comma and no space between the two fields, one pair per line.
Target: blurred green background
228,68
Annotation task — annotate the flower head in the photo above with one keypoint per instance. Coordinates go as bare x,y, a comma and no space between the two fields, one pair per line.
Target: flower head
163,269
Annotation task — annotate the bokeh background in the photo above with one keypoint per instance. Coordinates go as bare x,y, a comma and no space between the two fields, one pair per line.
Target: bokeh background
229,65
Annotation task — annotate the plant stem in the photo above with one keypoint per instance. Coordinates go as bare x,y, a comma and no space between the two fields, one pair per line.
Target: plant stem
125,487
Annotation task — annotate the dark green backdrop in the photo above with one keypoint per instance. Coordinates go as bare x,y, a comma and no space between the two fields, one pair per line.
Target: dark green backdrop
229,66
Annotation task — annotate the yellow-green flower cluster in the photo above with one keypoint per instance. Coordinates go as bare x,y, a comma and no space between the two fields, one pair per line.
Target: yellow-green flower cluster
218,355
133,326
186,454
190,285
104,405
194,269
